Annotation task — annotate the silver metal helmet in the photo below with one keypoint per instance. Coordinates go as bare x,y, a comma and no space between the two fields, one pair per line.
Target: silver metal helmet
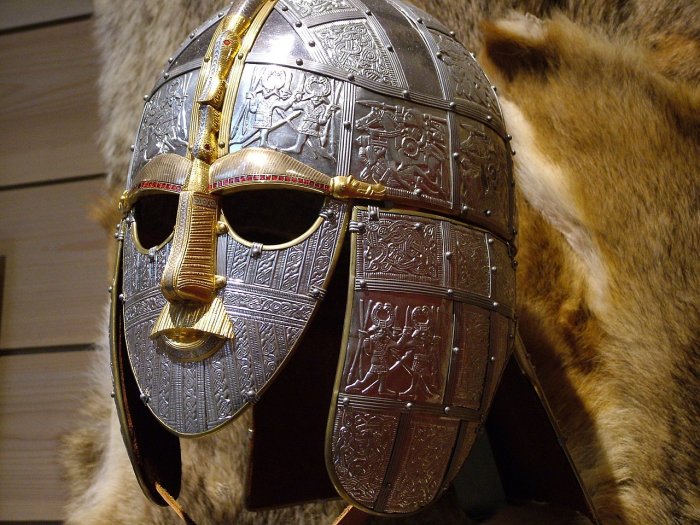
279,133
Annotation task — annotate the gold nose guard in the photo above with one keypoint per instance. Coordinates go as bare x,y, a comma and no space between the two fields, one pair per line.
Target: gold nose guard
194,324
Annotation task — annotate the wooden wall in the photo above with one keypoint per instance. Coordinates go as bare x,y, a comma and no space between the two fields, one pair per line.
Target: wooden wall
54,285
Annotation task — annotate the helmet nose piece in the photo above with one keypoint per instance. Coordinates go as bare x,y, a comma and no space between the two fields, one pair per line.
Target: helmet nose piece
190,272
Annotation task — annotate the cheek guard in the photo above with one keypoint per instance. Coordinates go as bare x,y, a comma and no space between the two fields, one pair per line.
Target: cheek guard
279,132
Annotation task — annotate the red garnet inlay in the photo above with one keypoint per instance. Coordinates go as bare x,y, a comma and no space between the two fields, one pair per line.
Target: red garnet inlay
227,42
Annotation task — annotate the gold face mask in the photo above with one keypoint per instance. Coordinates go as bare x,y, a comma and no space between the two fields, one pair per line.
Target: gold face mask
302,128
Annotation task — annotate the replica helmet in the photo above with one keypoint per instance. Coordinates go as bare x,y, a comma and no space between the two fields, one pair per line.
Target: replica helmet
321,182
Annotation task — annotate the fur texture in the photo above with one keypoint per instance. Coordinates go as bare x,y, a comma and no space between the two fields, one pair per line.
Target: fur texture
607,166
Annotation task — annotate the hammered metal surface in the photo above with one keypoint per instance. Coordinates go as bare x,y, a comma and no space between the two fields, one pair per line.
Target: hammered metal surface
269,298
425,345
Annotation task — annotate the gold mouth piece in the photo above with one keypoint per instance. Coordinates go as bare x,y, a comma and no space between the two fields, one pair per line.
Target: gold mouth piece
190,333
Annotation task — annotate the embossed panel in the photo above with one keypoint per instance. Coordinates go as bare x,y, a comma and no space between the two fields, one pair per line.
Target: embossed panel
503,274
404,147
468,80
293,111
471,261
165,122
398,348
355,46
470,356
467,437
270,296
422,467
364,440
400,248
483,165
310,8
410,49
502,335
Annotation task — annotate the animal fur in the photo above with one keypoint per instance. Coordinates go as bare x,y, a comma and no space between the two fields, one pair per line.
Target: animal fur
608,166
605,127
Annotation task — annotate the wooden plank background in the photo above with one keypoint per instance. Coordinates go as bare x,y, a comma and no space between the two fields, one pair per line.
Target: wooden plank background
55,264
48,116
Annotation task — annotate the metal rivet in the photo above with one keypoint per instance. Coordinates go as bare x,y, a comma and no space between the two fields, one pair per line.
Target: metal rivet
346,401
112,394
347,124
145,398
448,255
145,97
438,54
256,250
368,12
109,290
512,152
405,93
419,20
121,297
240,56
489,118
299,62
447,410
495,304
220,14
487,213
493,268
351,77
390,48
206,59
452,33
297,23
453,104
490,240
493,359
222,144
170,60
455,350
250,393
285,8
450,292
361,283
409,406
418,192
494,88
465,208
417,226
509,137
166,75
515,263
192,35
132,147
455,155
312,43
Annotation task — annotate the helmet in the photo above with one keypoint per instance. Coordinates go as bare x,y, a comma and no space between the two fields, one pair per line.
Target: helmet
308,156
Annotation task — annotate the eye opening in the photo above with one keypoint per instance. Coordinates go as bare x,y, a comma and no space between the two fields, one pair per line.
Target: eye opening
155,216
271,216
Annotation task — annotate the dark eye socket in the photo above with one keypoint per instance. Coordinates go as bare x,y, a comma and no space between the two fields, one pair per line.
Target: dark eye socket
155,218
271,216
